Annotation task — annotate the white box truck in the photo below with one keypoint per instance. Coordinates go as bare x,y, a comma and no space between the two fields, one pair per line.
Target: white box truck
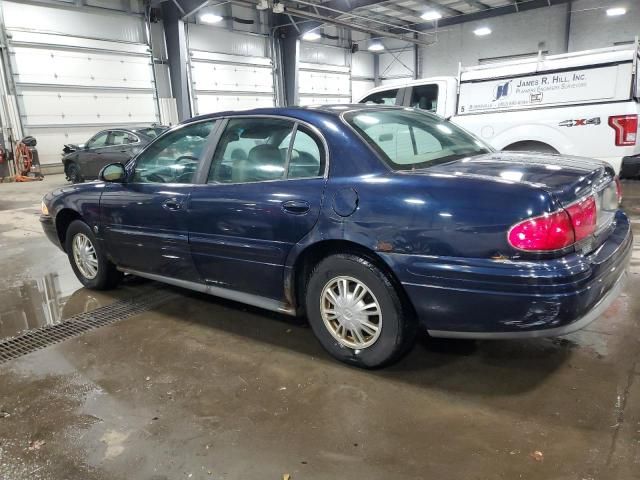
584,103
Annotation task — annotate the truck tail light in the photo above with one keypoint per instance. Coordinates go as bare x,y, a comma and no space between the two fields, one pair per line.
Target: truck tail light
557,230
626,128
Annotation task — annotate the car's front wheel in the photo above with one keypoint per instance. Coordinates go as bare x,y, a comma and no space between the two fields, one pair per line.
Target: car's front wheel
356,312
73,173
89,263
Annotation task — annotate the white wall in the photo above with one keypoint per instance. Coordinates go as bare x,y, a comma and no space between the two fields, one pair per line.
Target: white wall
528,32
590,28
514,34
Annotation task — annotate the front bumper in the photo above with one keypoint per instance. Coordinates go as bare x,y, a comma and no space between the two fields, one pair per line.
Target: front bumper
630,167
482,298
49,228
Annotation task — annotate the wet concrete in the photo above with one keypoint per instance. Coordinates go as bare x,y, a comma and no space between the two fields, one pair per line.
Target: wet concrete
203,388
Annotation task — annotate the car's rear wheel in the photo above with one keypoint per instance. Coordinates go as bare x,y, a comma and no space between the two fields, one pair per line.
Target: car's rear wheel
88,261
356,312
73,173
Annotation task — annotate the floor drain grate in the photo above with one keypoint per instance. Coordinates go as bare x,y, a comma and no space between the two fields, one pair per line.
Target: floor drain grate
78,324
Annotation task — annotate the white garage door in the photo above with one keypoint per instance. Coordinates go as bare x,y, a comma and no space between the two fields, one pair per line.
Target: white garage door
77,71
324,74
229,70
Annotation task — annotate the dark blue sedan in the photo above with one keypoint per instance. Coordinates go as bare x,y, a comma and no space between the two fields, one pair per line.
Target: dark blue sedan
370,220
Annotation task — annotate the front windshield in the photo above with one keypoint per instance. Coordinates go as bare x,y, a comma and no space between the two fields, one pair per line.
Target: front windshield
408,139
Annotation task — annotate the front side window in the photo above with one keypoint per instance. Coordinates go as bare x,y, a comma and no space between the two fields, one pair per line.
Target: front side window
425,97
388,97
100,140
175,157
409,139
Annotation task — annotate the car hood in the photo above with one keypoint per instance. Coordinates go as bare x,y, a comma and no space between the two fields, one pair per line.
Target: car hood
568,178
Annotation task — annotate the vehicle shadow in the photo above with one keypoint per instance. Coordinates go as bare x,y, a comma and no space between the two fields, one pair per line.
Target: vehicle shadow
474,368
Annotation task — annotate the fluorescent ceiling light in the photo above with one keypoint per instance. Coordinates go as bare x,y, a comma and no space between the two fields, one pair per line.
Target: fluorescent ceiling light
376,47
210,18
431,15
482,31
311,36
614,12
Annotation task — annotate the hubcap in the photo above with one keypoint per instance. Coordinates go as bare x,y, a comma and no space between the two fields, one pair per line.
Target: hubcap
84,254
351,312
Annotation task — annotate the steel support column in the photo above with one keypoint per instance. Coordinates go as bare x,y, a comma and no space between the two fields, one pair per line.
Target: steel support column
177,53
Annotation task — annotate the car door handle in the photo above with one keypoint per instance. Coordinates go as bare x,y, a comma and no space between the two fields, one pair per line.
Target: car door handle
172,204
296,206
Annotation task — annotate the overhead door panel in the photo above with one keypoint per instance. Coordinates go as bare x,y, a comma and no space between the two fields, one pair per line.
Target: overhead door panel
229,70
324,74
77,71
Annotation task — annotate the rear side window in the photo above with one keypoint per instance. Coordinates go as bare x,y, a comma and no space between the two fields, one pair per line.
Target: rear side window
388,97
264,149
425,97
306,155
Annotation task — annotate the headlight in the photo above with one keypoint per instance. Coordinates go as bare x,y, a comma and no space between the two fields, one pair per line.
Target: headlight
43,208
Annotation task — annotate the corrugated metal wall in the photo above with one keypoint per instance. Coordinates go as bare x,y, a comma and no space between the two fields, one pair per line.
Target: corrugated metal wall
229,70
77,71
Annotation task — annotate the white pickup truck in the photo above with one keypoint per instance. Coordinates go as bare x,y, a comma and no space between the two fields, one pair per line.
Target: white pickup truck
584,103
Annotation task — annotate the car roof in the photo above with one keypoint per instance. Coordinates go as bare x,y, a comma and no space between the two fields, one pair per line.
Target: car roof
333,110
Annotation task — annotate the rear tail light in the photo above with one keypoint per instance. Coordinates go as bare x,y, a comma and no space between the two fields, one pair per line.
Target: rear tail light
584,215
619,190
555,231
626,128
547,232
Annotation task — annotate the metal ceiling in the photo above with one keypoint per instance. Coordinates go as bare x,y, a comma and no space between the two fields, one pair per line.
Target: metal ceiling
400,19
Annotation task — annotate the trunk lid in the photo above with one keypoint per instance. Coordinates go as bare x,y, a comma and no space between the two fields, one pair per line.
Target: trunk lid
567,178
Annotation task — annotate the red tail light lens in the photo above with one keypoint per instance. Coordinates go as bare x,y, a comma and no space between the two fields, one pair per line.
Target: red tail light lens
584,216
547,232
619,190
556,230
626,128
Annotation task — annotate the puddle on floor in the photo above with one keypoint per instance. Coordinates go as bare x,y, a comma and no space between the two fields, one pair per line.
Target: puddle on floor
52,299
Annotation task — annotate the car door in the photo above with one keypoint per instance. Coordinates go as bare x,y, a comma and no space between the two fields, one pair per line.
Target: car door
263,195
144,219
89,156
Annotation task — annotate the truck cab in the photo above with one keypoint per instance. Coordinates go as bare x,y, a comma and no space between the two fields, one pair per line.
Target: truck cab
583,104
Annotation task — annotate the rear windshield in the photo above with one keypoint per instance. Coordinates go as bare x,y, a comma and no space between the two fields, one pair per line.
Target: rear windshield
407,139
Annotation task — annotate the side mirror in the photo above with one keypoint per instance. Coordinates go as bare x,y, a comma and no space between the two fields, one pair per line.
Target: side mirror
114,172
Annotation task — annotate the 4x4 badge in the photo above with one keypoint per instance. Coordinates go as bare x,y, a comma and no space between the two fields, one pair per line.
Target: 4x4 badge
580,122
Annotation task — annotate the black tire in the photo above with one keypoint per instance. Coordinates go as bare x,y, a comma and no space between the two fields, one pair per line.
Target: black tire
107,275
73,173
398,325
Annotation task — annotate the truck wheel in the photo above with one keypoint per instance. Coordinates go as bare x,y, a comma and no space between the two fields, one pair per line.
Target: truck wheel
73,173
356,313
530,146
87,259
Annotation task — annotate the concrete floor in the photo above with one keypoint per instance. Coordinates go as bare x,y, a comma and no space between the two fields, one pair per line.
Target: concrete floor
203,388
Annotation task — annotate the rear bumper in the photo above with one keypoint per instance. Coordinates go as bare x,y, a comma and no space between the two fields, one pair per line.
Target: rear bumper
630,167
480,298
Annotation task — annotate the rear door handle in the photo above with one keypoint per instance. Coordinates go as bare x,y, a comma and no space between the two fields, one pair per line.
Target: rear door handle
172,204
297,207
